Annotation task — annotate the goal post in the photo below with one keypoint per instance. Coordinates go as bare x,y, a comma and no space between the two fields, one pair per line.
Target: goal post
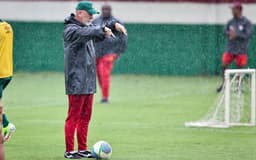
228,74
235,105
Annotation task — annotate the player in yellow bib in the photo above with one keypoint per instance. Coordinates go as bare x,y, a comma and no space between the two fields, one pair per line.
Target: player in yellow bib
6,72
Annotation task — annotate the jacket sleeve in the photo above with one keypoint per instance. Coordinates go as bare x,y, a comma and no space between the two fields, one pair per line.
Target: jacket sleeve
111,24
89,33
122,43
226,29
123,39
247,33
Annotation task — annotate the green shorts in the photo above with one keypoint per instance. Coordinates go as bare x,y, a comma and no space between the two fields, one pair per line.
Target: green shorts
3,84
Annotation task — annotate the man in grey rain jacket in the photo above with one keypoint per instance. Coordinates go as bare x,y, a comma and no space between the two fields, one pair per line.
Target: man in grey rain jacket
107,51
80,73
238,31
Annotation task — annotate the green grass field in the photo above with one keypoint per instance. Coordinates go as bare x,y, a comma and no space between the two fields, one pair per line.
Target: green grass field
145,120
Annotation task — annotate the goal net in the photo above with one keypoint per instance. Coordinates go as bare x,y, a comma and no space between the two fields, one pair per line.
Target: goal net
235,104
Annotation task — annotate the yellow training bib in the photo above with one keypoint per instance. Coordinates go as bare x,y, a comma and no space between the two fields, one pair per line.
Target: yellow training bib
6,47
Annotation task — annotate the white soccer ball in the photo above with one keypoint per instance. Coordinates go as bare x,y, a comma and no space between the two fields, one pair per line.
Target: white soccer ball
102,150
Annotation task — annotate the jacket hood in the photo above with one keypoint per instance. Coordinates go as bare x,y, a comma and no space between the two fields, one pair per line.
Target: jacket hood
71,20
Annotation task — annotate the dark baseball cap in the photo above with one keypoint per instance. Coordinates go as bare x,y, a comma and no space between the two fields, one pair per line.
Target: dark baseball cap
237,5
86,6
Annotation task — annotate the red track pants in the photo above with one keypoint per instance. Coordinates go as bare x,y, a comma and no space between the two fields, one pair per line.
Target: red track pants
104,69
79,115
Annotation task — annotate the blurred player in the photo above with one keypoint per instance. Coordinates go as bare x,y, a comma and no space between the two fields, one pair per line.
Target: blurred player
80,73
6,71
238,32
108,51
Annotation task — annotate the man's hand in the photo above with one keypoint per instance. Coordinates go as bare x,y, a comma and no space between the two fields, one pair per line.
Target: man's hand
120,28
232,34
108,32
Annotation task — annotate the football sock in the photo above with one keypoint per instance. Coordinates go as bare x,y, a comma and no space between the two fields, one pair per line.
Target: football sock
5,121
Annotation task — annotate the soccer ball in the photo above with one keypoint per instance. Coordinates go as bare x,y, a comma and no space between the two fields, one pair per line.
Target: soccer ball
102,150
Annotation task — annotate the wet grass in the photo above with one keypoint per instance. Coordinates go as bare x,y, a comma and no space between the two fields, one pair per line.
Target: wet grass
144,121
